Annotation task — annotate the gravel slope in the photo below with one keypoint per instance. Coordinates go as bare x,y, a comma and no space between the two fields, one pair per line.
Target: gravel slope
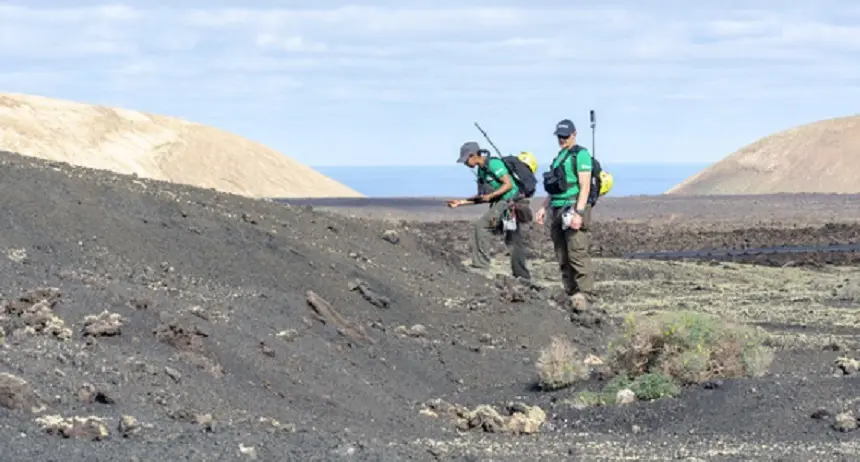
214,288
216,353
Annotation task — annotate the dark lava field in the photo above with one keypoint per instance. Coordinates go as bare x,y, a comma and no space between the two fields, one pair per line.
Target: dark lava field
150,321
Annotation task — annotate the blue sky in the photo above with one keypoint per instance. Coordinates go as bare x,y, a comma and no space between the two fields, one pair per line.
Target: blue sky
387,83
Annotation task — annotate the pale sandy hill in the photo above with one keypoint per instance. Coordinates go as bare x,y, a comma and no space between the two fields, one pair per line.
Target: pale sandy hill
821,157
154,146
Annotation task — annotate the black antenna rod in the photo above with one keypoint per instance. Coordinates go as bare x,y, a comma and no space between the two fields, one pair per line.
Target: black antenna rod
488,139
593,124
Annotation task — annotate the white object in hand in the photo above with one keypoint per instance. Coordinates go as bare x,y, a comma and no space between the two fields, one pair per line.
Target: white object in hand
509,222
566,219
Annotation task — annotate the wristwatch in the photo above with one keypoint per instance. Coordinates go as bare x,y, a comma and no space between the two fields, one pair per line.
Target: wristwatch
580,212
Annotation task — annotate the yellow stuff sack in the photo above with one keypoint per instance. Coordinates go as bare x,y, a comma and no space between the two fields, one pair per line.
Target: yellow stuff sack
530,160
605,182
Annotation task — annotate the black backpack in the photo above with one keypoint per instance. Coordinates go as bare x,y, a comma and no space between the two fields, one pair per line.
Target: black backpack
555,181
521,174
596,182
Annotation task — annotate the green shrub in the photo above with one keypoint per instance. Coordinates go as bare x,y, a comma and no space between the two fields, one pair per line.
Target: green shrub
689,347
651,386
618,383
590,398
647,387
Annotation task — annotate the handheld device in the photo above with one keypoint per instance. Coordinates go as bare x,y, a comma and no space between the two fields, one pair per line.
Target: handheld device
593,124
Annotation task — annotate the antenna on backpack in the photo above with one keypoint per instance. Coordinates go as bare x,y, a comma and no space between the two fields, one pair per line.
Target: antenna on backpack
488,139
593,124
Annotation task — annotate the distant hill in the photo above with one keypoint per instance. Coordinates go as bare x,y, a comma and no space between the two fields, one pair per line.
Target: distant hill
154,146
820,157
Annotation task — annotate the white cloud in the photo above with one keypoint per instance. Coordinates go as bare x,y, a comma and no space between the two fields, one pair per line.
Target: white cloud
364,20
68,15
734,29
417,72
448,55
269,41
137,68
530,34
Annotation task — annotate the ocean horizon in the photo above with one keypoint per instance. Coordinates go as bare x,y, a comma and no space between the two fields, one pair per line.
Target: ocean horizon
459,181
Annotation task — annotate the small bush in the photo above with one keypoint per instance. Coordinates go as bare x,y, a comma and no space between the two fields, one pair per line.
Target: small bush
651,386
689,347
559,365
590,398
611,389
646,387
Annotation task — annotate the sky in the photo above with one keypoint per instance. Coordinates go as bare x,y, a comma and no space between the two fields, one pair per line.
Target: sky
401,83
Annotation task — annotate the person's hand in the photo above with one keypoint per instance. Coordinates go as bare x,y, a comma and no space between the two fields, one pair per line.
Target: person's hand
576,221
455,203
484,198
540,215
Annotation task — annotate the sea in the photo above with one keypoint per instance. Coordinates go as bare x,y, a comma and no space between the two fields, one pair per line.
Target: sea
459,181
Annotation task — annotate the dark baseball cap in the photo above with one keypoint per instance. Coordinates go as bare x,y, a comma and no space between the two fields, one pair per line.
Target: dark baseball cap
564,128
467,149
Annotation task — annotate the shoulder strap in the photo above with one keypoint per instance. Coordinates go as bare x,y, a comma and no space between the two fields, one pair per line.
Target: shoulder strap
576,149
492,173
486,170
481,168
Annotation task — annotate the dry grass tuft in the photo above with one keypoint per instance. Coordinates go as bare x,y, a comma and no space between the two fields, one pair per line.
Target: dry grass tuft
690,347
559,365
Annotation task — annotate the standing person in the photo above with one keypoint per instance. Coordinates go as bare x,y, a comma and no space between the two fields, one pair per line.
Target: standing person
568,187
502,194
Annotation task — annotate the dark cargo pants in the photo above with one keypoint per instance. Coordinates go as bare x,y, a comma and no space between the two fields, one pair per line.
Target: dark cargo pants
482,230
571,253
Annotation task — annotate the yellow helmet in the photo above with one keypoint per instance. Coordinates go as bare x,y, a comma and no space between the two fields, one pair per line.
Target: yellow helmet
605,182
528,159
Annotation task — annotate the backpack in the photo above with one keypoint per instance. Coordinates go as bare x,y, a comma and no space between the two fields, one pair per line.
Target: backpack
601,181
596,181
555,181
521,173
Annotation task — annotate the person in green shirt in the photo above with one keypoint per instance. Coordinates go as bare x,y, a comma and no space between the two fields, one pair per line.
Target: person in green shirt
568,185
503,195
